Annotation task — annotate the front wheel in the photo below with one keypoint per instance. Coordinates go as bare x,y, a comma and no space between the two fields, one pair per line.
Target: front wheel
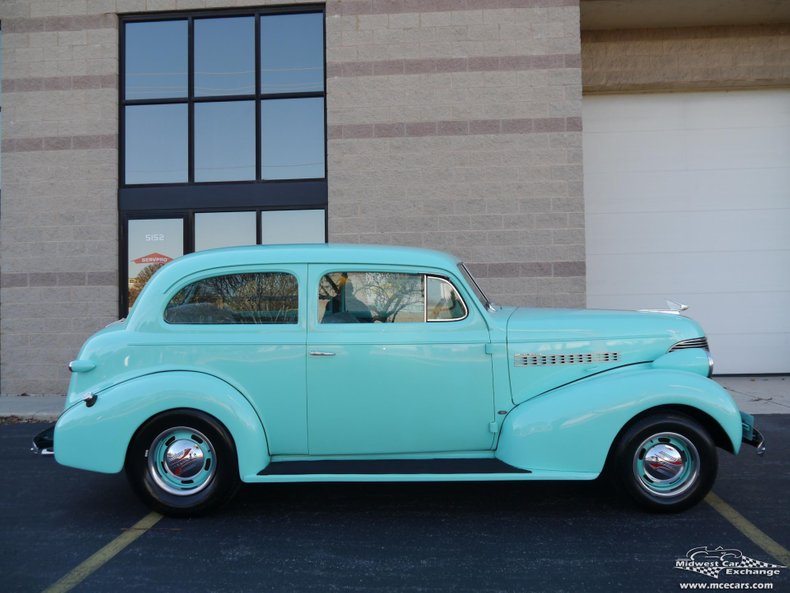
183,463
666,463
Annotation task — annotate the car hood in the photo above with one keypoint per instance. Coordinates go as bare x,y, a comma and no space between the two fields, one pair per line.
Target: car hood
548,348
588,324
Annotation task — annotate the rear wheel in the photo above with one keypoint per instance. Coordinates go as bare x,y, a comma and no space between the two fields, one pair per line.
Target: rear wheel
666,463
182,463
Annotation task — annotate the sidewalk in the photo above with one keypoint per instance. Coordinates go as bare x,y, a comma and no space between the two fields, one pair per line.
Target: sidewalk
755,395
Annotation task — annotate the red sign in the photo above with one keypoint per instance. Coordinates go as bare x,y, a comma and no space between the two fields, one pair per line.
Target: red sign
153,258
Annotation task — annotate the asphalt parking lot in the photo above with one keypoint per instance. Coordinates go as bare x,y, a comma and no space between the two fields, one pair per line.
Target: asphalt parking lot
564,537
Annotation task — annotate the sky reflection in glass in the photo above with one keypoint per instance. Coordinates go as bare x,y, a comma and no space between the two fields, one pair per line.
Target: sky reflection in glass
156,60
292,53
224,56
224,229
292,138
225,141
156,143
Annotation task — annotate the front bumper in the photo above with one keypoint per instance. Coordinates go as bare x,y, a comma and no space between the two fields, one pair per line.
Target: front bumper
752,436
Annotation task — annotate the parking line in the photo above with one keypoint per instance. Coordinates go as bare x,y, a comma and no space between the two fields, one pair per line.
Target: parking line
749,529
107,553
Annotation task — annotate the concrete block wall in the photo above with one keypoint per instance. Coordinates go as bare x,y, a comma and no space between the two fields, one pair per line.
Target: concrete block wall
457,126
58,217
692,58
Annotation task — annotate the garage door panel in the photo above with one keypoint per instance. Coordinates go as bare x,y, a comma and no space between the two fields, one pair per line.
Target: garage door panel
763,148
667,274
697,111
687,197
733,110
715,149
645,151
684,232
680,191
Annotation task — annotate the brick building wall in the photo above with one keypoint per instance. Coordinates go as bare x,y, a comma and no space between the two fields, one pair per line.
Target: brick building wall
692,58
58,225
461,130
452,125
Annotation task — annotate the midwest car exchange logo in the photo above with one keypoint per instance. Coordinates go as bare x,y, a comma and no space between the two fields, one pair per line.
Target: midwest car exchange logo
731,562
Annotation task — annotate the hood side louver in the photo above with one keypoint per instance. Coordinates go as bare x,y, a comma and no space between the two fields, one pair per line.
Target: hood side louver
525,360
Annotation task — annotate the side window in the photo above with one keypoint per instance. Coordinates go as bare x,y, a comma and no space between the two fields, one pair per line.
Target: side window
265,297
371,297
442,302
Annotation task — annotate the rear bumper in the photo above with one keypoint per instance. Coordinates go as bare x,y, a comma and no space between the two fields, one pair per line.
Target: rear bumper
752,436
44,442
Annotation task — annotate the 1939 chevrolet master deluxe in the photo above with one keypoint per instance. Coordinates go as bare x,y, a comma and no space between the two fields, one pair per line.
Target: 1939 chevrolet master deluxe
362,363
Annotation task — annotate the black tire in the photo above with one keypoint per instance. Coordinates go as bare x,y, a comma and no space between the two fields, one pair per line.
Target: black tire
183,463
683,468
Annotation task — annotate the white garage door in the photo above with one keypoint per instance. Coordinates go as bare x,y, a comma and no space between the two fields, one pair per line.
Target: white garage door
687,198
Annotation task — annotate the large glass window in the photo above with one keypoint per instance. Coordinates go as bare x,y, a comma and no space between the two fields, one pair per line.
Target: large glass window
225,141
224,229
294,144
269,124
156,60
225,56
293,226
266,297
156,143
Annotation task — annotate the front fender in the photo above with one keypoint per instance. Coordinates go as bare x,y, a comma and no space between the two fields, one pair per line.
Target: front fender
573,427
96,438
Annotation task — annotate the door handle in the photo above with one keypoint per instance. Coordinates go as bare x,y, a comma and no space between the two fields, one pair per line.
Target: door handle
317,353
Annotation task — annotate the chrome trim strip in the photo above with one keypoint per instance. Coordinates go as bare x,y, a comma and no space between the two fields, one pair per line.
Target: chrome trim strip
701,342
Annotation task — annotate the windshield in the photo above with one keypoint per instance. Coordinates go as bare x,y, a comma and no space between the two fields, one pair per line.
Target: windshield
476,288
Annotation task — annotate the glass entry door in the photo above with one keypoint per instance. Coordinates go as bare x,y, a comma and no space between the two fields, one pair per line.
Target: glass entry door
151,243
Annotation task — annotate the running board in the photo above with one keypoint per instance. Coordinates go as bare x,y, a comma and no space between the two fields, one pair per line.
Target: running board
384,467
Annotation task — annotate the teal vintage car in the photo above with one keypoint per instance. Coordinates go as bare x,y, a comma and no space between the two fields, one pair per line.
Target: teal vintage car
316,363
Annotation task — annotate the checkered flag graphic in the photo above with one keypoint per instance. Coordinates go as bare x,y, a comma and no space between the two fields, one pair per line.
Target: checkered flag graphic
711,562
747,562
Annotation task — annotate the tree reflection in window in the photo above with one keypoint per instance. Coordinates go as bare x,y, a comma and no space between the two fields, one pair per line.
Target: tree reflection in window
266,297
369,297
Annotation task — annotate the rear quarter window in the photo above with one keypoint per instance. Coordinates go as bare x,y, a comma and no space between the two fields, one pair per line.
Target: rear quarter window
250,298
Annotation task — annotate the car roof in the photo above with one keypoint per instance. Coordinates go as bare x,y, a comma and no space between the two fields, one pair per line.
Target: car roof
320,253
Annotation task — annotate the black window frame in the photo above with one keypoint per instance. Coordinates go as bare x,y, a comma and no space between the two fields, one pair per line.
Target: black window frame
185,199
276,193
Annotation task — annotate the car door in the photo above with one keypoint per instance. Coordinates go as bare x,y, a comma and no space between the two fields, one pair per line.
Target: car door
247,326
383,379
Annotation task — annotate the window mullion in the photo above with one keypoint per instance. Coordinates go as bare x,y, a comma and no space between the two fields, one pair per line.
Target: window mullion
191,100
258,156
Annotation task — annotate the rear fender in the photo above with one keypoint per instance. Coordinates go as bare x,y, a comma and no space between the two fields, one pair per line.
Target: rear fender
572,428
97,437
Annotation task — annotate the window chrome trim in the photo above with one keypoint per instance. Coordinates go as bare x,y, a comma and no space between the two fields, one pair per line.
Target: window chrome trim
425,300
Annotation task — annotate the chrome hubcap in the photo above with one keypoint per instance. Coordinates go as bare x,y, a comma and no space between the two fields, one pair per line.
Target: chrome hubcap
181,461
663,463
666,464
184,459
